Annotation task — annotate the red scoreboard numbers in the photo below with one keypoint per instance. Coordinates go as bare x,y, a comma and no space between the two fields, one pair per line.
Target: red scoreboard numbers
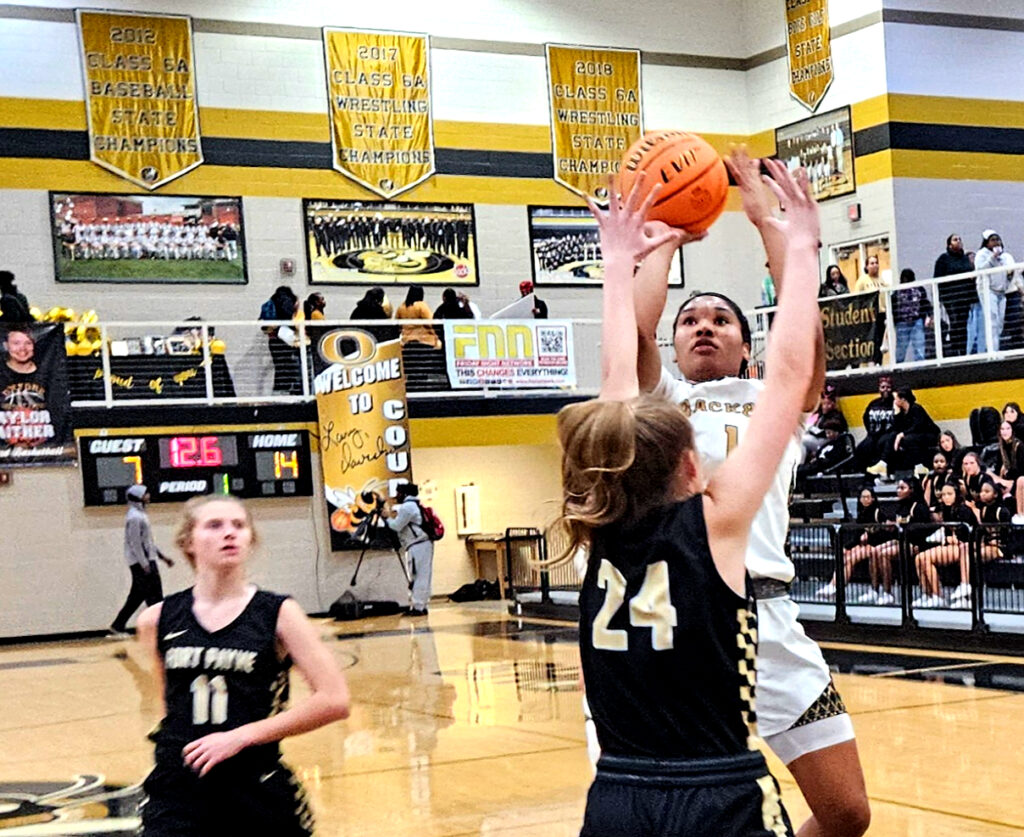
195,451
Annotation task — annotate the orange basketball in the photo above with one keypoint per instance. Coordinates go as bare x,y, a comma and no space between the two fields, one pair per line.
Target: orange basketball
694,182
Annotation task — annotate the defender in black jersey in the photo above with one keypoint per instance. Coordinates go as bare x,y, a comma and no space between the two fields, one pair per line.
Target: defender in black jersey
668,636
224,650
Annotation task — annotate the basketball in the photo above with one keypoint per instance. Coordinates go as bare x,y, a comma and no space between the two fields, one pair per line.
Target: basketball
694,182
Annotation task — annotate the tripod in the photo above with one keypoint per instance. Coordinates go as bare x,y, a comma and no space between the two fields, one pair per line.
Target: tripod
375,522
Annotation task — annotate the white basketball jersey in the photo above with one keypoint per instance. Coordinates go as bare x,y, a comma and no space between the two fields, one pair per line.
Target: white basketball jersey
720,413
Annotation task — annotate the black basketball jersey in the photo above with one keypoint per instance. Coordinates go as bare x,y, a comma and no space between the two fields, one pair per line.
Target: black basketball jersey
221,680
668,648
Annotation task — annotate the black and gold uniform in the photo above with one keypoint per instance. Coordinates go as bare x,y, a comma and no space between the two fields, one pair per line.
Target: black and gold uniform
668,653
216,682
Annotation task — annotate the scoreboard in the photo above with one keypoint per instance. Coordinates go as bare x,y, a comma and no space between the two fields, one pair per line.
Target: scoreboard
251,464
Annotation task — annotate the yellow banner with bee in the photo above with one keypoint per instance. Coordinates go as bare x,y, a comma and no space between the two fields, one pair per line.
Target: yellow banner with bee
140,95
378,87
364,431
596,114
809,43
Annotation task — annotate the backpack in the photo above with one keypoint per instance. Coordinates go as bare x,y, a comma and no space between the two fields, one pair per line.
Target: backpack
432,526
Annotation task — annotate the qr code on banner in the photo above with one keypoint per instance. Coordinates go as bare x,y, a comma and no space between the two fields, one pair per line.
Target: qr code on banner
552,340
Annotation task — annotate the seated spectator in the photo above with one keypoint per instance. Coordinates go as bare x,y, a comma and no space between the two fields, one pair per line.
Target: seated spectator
994,516
878,418
971,475
912,314
814,434
414,308
371,307
937,477
830,454
956,533
913,437
14,307
859,544
835,283
994,286
912,514
1011,471
1011,413
954,451
956,296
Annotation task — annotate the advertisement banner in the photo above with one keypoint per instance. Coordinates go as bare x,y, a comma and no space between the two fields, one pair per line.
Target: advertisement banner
364,433
809,47
140,95
851,329
509,353
378,91
35,410
596,114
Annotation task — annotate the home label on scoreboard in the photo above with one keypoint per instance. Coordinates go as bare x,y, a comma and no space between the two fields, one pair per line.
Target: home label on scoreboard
174,467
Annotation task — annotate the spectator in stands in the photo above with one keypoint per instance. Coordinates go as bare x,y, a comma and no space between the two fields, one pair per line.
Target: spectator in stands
913,437
954,451
912,314
371,307
540,307
937,477
872,280
282,340
313,307
912,514
835,283
859,544
14,307
470,306
814,433
450,307
993,287
956,296
878,418
993,516
956,533
1011,470
971,475
830,454
1011,413
417,334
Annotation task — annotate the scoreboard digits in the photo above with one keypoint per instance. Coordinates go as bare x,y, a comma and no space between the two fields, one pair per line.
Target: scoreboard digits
176,467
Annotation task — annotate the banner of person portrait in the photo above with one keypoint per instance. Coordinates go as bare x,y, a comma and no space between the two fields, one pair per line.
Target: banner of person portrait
510,353
385,243
809,49
378,92
35,409
596,114
823,145
146,238
565,248
140,95
363,421
850,324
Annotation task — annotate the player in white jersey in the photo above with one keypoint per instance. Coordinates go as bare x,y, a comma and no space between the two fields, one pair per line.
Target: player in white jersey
800,714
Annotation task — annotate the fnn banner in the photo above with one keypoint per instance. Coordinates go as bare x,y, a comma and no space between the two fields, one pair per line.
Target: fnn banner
850,324
596,114
364,432
510,353
378,90
35,414
809,43
140,95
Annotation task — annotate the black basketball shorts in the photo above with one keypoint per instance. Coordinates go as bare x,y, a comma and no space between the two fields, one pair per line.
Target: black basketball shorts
717,797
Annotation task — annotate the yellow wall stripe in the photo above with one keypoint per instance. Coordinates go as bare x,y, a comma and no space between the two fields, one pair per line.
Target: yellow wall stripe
483,430
946,110
870,112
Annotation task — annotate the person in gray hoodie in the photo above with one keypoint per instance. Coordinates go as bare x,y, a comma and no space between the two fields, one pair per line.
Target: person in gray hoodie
140,553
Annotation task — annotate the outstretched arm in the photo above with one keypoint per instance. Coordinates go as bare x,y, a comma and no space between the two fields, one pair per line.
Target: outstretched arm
625,240
758,204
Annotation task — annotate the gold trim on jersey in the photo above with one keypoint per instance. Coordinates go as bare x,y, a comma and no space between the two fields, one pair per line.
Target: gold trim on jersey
746,641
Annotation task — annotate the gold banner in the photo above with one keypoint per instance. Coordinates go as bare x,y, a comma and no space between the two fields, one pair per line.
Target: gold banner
364,428
596,114
140,95
378,88
809,42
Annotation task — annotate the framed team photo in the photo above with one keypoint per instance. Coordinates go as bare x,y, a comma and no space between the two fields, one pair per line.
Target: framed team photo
823,145
389,243
565,248
166,239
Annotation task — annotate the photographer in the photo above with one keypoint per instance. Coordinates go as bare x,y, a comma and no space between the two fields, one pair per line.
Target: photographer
406,518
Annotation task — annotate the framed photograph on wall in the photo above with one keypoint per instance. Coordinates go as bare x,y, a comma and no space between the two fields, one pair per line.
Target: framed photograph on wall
167,239
823,145
389,243
565,248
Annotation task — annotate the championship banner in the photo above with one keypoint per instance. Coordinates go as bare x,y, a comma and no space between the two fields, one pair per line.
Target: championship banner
596,114
364,433
509,353
378,90
35,409
809,46
850,325
140,95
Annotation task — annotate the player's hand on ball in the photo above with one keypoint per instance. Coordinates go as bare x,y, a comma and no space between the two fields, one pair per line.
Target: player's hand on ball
656,228
799,223
622,226
205,753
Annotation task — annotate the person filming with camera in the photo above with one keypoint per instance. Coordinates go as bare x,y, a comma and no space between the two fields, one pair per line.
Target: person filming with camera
406,519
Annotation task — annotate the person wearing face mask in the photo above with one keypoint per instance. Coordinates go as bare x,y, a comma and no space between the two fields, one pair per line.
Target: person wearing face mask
993,287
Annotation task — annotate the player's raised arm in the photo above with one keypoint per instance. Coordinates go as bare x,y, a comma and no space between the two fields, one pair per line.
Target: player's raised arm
624,242
738,487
